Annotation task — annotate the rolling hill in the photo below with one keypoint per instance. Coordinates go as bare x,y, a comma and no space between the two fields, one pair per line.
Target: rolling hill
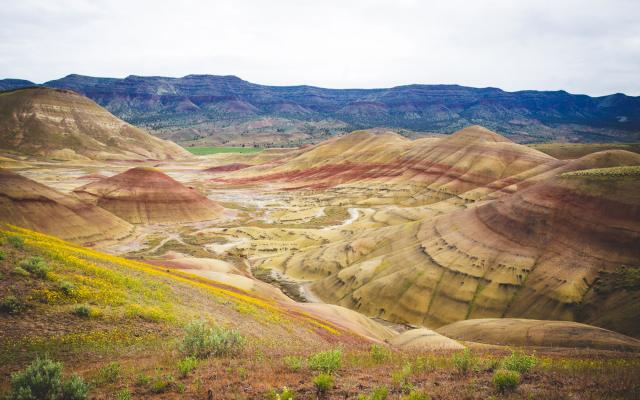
31,205
199,109
502,230
60,124
146,195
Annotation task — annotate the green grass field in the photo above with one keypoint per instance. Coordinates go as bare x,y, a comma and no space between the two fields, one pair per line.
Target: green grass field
204,150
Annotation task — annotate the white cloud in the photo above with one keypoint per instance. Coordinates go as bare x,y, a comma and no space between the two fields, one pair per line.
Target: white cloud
587,46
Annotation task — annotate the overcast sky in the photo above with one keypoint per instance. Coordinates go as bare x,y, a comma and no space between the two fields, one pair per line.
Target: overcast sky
582,46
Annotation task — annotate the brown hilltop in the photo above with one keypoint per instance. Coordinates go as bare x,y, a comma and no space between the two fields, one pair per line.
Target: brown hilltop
61,124
146,195
31,205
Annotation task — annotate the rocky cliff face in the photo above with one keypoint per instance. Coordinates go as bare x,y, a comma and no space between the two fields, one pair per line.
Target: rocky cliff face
207,104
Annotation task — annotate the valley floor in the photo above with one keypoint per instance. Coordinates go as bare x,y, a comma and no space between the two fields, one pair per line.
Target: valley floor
134,353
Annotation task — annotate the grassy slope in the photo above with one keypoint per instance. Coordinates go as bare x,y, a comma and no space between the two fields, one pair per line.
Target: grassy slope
204,150
138,311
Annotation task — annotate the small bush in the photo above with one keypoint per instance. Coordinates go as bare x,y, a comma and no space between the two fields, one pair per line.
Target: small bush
21,271
82,311
110,373
400,378
36,265
187,365
416,396
423,364
143,380
285,394
326,361
519,362
2,255
16,241
42,379
66,287
463,361
379,353
323,383
202,340
294,363
379,393
75,388
505,380
11,305
123,394
162,384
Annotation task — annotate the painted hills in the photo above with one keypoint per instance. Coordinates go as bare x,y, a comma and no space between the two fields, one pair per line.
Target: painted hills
31,205
146,195
441,167
60,124
465,246
200,109
501,230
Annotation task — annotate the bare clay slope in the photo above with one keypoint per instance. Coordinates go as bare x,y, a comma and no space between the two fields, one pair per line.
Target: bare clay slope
61,124
539,253
146,195
31,205
553,249
470,158
539,333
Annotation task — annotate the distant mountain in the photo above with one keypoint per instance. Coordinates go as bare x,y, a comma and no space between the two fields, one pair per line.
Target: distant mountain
10,84
200,109
61,124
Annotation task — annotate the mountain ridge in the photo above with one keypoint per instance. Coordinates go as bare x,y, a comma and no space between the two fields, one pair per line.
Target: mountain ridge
196,109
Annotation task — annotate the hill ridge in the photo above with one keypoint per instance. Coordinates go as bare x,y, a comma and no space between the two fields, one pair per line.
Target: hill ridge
525,116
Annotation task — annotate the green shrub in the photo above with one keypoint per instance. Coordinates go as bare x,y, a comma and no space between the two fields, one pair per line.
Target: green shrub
519,362
379,353
187,365
326,361
400,377
428,363
285,394
36,265
162,384
16,241
505,380
294,363
82,311
123,394
42,379
21,271
323,383
416,396
202,340
463,361
2,255
379,393
110,373
75,388
66,287
11,305
143,380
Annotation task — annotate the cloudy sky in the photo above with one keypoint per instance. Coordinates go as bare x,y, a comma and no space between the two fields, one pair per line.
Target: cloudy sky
582,46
